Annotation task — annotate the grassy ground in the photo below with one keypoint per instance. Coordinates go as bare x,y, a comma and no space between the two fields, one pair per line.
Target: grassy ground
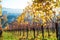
9,36
15,35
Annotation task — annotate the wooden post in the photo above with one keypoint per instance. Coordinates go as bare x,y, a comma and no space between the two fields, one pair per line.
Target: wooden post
20,32
37,31
48,31
23,31
56,26
27,32
34,32
42,31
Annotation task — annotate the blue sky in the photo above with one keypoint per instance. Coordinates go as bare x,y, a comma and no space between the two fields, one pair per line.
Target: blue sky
15,4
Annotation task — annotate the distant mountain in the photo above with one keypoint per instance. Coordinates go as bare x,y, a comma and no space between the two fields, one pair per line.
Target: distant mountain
12,11
11,14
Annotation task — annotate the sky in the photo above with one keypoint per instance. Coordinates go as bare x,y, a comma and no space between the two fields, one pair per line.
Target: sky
15,4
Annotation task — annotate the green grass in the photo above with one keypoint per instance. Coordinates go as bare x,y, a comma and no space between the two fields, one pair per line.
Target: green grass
15,35
9,36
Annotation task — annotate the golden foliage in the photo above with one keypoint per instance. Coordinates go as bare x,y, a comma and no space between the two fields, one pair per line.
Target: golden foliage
40,9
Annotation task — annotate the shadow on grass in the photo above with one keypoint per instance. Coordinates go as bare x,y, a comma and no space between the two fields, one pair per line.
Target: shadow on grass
1,37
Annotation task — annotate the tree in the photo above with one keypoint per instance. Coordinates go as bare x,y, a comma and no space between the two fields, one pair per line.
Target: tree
41,10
